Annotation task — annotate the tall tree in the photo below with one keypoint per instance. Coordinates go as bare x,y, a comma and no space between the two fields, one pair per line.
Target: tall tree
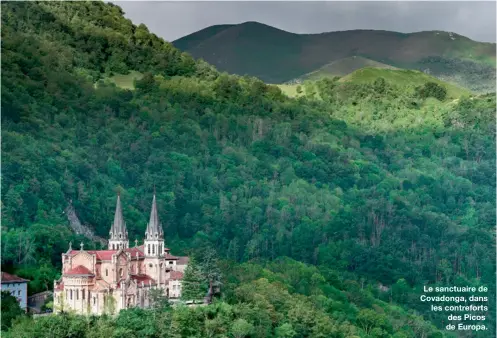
194,285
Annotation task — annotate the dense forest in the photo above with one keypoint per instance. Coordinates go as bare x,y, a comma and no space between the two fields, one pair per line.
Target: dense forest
328,212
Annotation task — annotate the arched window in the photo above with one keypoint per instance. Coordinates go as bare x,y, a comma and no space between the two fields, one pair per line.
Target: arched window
77,294
153,249
121,272
149,249
70,292
83,294
106,272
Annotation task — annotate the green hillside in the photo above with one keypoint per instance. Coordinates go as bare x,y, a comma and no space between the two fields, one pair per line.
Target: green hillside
277,56
343,67
125,81
402,78
194,39
320,218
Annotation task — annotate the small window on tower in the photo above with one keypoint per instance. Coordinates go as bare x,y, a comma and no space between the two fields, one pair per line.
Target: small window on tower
106,272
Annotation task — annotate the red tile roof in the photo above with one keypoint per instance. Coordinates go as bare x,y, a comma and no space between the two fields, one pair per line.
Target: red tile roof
143,278
183,260
106,255
8,278
102,255
135,250
79,270
176,275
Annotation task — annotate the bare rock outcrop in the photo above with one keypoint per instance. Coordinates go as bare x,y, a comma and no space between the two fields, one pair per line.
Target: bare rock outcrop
79,228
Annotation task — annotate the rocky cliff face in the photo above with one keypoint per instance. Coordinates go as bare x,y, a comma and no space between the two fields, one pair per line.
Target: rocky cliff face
81,229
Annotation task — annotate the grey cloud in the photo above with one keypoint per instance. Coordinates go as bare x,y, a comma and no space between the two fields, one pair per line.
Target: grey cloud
172,20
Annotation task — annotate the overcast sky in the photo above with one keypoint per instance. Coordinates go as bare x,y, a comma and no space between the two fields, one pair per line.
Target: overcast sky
172,20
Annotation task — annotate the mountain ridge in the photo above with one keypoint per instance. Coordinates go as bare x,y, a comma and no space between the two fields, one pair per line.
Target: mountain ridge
277,56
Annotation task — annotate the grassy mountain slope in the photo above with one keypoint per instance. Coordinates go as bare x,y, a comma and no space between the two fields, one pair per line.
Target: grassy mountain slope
277,56
239,49
310,203
343,67
401,78
406,80
195,39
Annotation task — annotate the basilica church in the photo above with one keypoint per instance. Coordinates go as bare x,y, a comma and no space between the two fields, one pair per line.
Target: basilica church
107,281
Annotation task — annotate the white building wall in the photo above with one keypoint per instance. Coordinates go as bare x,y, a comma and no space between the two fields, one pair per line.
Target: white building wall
18,290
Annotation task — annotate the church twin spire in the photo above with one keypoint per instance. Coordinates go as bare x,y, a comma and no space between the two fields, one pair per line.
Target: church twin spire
119,233
118,229
154,229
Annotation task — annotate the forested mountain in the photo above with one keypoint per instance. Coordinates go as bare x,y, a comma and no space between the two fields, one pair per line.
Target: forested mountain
277,56
328,215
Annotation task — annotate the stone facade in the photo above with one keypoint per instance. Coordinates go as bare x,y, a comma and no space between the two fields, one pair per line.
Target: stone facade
107,281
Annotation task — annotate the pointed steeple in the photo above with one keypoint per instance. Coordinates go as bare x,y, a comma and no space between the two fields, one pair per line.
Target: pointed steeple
118,231
154,229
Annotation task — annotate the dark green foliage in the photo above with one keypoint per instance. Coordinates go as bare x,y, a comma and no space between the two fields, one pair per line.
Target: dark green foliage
194,283
10,310
379,85
478,76
281,299
361,186
432,89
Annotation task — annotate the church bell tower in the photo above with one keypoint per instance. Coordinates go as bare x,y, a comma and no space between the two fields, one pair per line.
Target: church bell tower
154,235
153,247
118,232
